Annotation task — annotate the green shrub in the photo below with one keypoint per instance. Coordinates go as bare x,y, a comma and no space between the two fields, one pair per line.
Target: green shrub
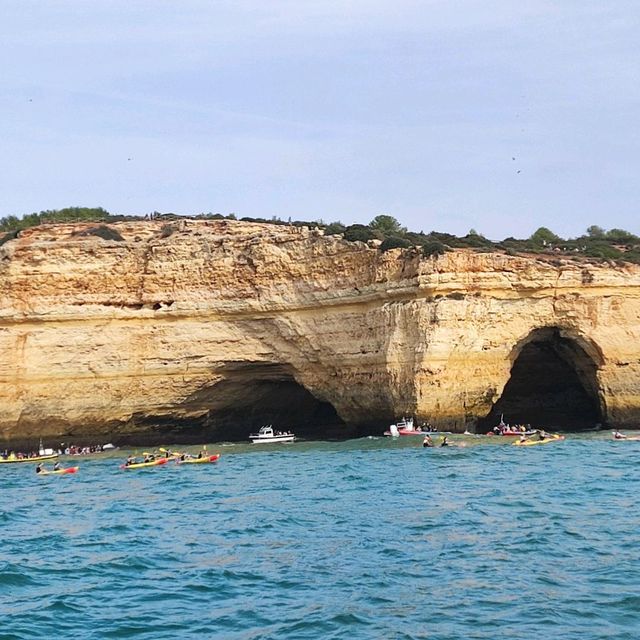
433,248
358,232
601,249
393,242
334,228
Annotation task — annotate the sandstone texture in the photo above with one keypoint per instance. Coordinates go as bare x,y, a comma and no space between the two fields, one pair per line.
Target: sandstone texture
197,325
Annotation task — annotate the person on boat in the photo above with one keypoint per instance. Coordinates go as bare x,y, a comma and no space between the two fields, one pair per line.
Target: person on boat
427,442
445,442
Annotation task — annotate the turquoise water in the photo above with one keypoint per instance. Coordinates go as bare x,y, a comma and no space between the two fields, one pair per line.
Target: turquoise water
360,539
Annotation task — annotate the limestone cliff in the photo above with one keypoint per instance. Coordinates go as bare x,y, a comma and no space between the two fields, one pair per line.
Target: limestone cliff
214,327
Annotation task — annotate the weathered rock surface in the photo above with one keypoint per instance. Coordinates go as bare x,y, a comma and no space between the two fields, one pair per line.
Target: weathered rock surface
221,325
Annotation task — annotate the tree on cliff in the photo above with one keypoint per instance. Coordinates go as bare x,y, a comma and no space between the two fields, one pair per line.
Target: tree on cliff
594,231
543,237
388,225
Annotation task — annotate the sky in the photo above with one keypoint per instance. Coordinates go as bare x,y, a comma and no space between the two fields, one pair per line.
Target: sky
496,115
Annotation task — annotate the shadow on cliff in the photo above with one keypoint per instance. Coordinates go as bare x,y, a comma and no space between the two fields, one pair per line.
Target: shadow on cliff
249,396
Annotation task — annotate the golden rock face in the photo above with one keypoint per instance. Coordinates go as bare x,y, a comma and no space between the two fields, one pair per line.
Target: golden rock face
216,326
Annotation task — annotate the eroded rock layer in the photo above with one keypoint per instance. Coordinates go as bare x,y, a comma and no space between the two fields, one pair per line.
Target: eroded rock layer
211,328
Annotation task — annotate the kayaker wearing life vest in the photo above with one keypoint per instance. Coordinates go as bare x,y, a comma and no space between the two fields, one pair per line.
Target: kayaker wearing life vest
445,442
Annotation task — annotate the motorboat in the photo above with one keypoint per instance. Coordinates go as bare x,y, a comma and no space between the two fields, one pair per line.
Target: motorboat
406,427
267,434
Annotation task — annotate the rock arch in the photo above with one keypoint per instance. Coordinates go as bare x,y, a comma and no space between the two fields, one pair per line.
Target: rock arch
553,382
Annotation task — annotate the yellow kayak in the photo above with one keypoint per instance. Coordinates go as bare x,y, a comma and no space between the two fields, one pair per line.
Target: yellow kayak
142,465
531,443
203,460
13,459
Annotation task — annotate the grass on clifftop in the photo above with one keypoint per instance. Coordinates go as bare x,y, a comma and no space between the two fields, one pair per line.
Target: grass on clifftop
596,244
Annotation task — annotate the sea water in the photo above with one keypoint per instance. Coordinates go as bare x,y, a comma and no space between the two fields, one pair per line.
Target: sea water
367,538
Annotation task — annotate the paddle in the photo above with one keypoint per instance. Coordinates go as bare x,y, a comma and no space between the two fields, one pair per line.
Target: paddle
173,454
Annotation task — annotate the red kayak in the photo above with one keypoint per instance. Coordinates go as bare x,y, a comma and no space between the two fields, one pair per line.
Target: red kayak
59,472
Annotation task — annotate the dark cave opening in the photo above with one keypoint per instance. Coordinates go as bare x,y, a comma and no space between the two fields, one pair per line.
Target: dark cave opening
249,396
553,384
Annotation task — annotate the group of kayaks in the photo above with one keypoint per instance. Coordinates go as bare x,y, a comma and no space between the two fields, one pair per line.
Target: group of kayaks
178,458
150,460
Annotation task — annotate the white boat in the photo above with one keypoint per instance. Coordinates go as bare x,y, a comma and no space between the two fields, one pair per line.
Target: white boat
267,434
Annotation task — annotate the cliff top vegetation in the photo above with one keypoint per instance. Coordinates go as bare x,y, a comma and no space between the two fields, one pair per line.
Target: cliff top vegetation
596,243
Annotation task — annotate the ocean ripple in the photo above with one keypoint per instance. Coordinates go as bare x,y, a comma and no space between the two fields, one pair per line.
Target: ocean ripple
362,539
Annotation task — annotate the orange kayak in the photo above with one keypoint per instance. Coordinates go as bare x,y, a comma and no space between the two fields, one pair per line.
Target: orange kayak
59,472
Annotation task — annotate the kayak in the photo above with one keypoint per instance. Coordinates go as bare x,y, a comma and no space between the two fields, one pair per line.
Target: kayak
36,459
205,459
142,465
511,433
59,472
531,443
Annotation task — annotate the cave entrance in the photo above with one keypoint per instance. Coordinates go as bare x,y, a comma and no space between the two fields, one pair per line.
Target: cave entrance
251,395
553,384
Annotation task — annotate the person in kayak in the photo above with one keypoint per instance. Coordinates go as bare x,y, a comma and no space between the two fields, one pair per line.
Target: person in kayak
523,438
542,435
56,466
445,442
130,460
427,442
39,468
619,436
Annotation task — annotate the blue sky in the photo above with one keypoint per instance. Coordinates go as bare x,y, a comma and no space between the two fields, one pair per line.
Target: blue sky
326,109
